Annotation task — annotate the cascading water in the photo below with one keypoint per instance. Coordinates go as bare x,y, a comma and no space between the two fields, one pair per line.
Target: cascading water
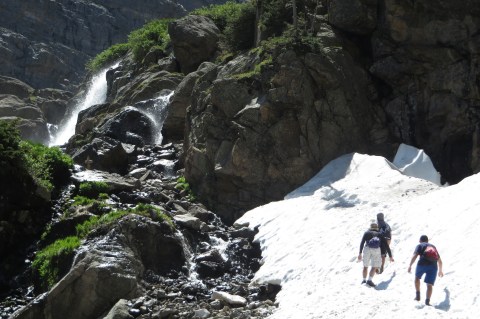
96,94
156,110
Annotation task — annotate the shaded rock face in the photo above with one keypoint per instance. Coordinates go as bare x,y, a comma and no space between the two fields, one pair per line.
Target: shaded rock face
427,54
32,108
250,144
46,43
109,269
251,141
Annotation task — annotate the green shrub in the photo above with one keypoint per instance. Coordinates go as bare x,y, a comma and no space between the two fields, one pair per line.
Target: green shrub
184,186
142,209
152,212
93,189
107,56
49,261
153,34
239,33
11,155
82,201
49,166
220,14
93,222
235,20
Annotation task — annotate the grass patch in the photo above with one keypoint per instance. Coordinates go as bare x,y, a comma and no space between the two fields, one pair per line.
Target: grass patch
50,259
93,189
109,56
235,20
107,219
49,166
153,34
183,186
140,41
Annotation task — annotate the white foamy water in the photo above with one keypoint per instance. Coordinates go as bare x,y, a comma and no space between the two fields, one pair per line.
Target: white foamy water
156,112
96,94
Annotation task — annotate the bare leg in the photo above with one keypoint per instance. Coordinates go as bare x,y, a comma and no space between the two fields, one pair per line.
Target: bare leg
373,271
365,270
429,292
417,289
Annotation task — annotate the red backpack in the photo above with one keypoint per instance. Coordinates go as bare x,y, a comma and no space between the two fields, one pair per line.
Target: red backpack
430,253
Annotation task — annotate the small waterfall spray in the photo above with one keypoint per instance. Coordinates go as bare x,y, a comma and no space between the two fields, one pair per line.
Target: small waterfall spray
156,110
96,93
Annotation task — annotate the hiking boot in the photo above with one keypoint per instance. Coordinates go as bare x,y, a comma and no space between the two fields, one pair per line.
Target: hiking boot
417,296
364,281
427,302
370,283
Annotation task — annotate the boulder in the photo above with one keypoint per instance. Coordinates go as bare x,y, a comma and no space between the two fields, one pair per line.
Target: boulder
194,39
105,154
128,126
108,269
12,86
356,16
115,182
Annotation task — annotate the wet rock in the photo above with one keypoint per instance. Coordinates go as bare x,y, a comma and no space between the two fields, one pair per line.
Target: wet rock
191,222
128,126
119,311
115,182
232,300
105,154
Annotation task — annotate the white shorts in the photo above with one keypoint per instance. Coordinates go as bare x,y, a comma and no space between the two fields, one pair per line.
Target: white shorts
372,257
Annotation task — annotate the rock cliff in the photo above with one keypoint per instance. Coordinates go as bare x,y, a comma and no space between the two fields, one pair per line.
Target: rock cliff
392,72
47,43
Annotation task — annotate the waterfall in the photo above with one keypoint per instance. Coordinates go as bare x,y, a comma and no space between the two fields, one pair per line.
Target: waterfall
96,93
156,110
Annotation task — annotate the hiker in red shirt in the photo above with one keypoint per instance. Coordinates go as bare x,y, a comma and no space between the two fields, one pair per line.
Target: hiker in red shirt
427,264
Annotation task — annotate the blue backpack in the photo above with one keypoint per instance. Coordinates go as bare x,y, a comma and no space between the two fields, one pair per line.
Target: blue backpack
374,242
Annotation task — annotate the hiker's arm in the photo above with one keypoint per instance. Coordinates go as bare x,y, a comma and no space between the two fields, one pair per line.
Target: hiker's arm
361,247
440,267
414,257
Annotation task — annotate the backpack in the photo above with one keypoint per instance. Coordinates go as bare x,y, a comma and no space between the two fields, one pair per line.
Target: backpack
386,231
374,242
430,253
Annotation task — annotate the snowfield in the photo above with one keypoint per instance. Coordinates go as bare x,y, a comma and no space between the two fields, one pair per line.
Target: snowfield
310,240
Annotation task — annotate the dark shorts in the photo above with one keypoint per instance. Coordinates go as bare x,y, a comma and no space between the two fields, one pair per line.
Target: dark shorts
430,272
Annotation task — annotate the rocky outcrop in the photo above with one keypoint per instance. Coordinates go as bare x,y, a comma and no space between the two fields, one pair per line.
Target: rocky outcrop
109,269
248,144
33,109
194,39
252,136
43,56
427,54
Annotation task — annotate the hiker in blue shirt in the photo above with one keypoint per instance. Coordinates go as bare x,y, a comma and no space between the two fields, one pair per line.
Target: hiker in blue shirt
427,265
370,245
386,233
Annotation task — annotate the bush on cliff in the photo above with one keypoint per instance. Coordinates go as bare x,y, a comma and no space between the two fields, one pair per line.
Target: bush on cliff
108,56
235,20
153,34
52,262
49,166
24,164
93,189
140,41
